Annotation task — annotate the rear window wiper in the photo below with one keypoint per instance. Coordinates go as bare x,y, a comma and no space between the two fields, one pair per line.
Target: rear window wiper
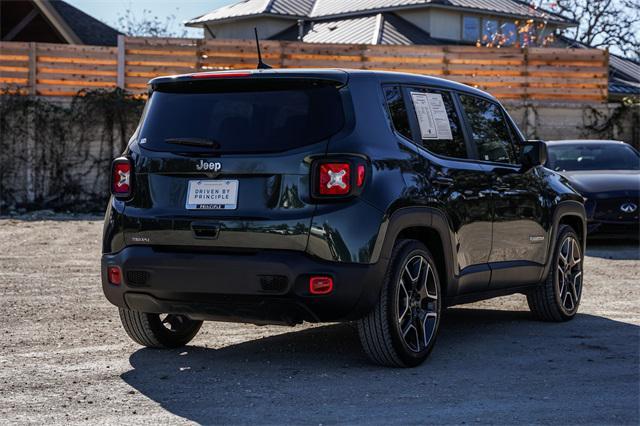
194,142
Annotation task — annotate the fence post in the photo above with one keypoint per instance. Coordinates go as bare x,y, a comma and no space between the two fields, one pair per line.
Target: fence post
445,61
121,55
33,68
525,73
606,67
200,52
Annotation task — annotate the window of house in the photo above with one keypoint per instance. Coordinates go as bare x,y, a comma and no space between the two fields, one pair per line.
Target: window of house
440,129
398,111
470,28
490,30
509,33
489,130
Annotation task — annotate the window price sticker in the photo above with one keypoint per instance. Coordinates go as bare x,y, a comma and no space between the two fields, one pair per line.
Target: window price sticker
432,116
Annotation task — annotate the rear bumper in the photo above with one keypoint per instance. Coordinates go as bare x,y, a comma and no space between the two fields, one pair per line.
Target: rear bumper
268,286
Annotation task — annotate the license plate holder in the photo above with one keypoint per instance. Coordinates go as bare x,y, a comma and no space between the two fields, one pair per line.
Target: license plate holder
212,195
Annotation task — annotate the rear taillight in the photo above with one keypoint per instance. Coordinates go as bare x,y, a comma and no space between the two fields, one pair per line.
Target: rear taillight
360,176
121,178
338,178
334,179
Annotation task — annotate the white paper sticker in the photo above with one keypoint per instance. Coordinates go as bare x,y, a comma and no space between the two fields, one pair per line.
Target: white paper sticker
432,115
440,116
425,119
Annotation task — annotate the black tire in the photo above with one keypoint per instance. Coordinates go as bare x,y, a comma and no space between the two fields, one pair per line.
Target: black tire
556,299
154,331
380,331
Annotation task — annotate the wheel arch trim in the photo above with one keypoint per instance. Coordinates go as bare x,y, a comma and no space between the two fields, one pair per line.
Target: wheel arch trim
418,217
563,209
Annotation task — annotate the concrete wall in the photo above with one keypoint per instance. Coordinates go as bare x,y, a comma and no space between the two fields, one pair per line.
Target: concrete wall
561,121
243,29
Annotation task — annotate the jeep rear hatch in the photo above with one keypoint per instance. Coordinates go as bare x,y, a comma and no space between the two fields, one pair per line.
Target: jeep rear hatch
224,162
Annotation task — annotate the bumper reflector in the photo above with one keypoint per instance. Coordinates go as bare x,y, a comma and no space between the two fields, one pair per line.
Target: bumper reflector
114,275
320,285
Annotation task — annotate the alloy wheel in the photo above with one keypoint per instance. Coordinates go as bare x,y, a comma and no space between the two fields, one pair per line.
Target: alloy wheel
417,299
569,275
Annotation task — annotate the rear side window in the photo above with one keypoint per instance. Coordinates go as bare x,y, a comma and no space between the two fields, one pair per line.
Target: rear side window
254,119
440,128
489,130
398,111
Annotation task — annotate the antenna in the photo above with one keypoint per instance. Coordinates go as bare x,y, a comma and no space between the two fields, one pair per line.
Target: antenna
261,65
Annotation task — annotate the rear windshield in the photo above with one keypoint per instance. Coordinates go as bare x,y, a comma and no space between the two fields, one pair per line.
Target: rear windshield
244,119
573,157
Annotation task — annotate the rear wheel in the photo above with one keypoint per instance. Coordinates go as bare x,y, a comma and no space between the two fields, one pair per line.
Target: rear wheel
558,298
401,330
159,330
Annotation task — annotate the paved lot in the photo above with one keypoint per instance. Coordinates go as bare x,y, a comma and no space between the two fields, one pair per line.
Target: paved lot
64,358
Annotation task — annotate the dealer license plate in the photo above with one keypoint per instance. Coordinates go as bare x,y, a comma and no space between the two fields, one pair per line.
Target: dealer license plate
212,195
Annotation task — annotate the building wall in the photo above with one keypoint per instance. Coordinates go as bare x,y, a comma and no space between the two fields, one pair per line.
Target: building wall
418,17
243,29
548,121
447,24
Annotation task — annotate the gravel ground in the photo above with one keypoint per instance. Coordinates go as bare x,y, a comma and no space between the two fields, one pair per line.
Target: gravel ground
64,358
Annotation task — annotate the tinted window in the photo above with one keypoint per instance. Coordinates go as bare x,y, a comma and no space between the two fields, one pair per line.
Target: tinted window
489,129
449,142
471,28
398,111
254,120
592,157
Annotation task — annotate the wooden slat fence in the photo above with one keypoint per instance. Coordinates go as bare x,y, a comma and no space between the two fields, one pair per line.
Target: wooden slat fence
545,74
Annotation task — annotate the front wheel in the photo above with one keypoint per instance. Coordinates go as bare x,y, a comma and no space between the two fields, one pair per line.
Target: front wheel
558,298
159,331
401,330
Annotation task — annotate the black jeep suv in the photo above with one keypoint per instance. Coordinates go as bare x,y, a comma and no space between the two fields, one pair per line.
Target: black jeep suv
283,196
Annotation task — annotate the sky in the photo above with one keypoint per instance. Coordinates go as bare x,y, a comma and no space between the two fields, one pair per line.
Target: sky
108,11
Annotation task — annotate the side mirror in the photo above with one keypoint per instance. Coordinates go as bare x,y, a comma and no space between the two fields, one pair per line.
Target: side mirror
533,154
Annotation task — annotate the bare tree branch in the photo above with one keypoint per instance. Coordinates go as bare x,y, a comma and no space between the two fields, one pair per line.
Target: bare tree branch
613,24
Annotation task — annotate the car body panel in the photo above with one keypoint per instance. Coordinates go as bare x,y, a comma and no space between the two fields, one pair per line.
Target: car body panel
496,224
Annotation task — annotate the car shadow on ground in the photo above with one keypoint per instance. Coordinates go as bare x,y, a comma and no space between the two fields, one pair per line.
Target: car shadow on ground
614,250
488,366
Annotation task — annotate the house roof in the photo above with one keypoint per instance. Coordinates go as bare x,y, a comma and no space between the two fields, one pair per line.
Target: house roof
85,27
53,22
322,9
624,76
325,8
380,28
248,8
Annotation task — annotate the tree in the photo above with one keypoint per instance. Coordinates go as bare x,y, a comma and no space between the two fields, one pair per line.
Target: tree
613,24
148,25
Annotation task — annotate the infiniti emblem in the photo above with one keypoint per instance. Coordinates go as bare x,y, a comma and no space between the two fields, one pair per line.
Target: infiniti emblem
628,207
